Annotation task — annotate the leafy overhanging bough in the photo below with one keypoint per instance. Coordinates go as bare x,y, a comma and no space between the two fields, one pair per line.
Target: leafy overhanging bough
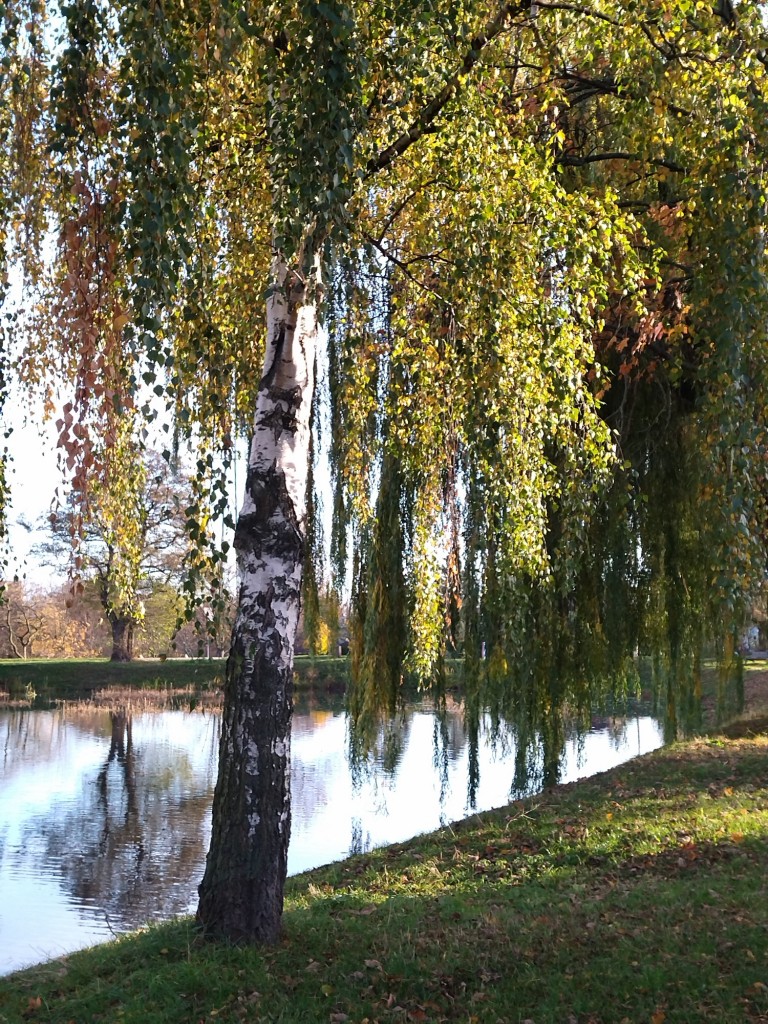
534,232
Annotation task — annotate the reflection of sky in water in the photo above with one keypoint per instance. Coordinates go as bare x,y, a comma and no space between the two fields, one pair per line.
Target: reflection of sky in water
98,835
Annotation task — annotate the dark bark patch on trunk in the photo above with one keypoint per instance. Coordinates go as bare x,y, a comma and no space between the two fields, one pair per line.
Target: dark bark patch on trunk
241,895
271,529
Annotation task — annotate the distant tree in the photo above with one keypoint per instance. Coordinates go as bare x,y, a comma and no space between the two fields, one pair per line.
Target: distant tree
20,621
73,624
131,545
163,606
320,624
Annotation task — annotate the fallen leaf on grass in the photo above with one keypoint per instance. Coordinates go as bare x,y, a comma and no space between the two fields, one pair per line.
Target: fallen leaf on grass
374,965
659,1017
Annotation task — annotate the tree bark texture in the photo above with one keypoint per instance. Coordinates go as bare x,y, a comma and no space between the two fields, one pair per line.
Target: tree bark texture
241,895
122,638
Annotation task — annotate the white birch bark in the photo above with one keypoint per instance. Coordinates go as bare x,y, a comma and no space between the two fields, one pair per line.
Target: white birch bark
241,896
280,450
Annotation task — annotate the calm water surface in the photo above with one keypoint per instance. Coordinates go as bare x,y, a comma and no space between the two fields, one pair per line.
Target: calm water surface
105,821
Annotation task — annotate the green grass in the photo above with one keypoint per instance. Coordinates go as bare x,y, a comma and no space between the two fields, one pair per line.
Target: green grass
636,897
75,678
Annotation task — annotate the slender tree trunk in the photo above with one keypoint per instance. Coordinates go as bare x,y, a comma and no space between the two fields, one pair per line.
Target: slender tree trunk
241,895
122,638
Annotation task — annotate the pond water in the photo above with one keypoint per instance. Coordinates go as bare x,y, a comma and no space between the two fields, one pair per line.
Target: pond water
105,819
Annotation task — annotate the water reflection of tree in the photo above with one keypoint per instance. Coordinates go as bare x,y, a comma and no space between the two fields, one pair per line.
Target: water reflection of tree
360,840
137,836
27,737
380,751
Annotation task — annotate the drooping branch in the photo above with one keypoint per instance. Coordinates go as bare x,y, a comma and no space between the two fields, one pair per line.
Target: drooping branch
402,265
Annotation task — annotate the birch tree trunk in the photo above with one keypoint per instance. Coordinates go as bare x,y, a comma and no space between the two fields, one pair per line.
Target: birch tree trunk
241,895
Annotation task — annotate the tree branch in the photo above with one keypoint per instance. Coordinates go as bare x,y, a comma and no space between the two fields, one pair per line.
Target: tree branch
403,266
402,205
609,87
569,160
426,117
585,12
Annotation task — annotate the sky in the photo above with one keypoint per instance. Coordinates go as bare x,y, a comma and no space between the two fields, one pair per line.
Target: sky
33,477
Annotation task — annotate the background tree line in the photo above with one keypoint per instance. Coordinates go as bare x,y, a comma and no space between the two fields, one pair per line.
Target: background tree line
55,622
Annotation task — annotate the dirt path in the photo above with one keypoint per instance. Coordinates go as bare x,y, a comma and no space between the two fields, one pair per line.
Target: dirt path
754,718
755,690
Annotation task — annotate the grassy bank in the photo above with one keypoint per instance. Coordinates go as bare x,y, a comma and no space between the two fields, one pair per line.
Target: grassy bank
636,897
75,678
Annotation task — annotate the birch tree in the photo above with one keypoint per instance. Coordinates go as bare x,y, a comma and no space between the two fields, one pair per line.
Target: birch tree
533,234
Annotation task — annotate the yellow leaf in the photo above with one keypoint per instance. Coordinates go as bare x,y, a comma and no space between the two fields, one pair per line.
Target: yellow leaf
609,815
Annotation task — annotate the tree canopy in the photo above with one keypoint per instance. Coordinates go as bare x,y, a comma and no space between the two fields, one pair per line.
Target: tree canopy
534,233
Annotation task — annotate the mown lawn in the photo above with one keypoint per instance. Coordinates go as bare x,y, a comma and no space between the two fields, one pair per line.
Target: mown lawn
76,678
636,897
